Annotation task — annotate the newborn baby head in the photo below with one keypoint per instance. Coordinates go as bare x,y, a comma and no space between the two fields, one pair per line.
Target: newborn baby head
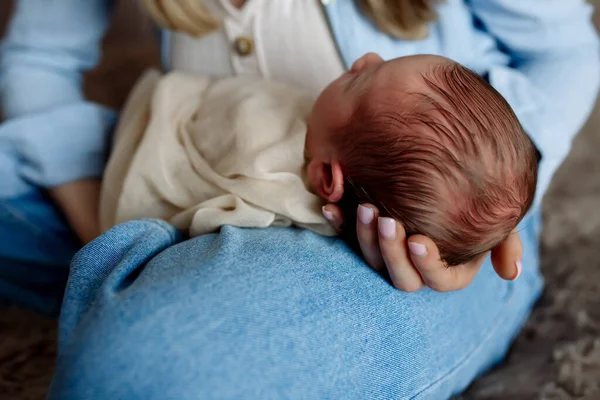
428,142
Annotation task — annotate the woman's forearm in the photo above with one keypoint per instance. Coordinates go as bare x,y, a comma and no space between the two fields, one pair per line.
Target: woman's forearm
79,201
57,135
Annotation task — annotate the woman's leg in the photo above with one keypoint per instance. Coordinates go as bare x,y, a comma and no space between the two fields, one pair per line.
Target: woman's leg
272,313
36,247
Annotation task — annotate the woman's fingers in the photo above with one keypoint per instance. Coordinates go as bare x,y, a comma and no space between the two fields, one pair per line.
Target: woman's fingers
366,232
426,258
392,243
506,258
416,263
334,215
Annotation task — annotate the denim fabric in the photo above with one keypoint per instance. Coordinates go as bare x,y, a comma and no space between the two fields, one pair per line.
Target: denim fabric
271,314
36,246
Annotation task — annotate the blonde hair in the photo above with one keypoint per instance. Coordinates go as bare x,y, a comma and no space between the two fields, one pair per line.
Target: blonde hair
189,16
404,19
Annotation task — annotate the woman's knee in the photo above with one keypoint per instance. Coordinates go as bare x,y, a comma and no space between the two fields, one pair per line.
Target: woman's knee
255,313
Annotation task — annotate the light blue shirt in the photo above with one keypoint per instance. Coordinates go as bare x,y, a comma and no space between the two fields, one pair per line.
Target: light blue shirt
544,59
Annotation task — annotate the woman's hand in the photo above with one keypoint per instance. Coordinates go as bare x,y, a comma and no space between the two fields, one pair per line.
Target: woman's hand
415,263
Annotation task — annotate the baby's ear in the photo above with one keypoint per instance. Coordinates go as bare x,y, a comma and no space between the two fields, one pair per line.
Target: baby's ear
327,180
365,62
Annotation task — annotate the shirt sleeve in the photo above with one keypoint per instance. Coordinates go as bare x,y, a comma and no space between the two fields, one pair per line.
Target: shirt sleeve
554,74
52,134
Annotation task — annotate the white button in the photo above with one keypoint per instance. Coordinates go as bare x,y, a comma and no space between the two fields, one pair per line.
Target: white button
326,2
243,45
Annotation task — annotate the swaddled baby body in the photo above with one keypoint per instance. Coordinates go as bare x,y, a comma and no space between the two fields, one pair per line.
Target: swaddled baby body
424,139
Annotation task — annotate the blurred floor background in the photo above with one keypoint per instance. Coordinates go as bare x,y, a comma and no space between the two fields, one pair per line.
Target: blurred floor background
556,357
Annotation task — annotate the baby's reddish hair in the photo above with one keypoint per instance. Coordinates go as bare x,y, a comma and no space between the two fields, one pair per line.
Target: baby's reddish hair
452,163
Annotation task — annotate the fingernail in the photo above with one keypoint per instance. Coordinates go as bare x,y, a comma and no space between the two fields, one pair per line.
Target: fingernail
327,214
365,214
519,269
387,228
417,249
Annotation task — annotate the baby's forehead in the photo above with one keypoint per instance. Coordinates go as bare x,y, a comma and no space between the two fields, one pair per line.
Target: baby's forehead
417,63
406,75
407,78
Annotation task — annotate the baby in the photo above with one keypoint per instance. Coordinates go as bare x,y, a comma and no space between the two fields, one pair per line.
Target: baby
424,139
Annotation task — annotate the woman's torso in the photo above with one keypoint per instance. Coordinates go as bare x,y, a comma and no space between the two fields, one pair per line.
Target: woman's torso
288,41
311,42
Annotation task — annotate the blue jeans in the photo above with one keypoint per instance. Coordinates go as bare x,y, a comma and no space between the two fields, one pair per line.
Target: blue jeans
253,313
36,247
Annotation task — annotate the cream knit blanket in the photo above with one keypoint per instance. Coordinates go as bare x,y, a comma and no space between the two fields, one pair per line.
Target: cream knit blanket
202,153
